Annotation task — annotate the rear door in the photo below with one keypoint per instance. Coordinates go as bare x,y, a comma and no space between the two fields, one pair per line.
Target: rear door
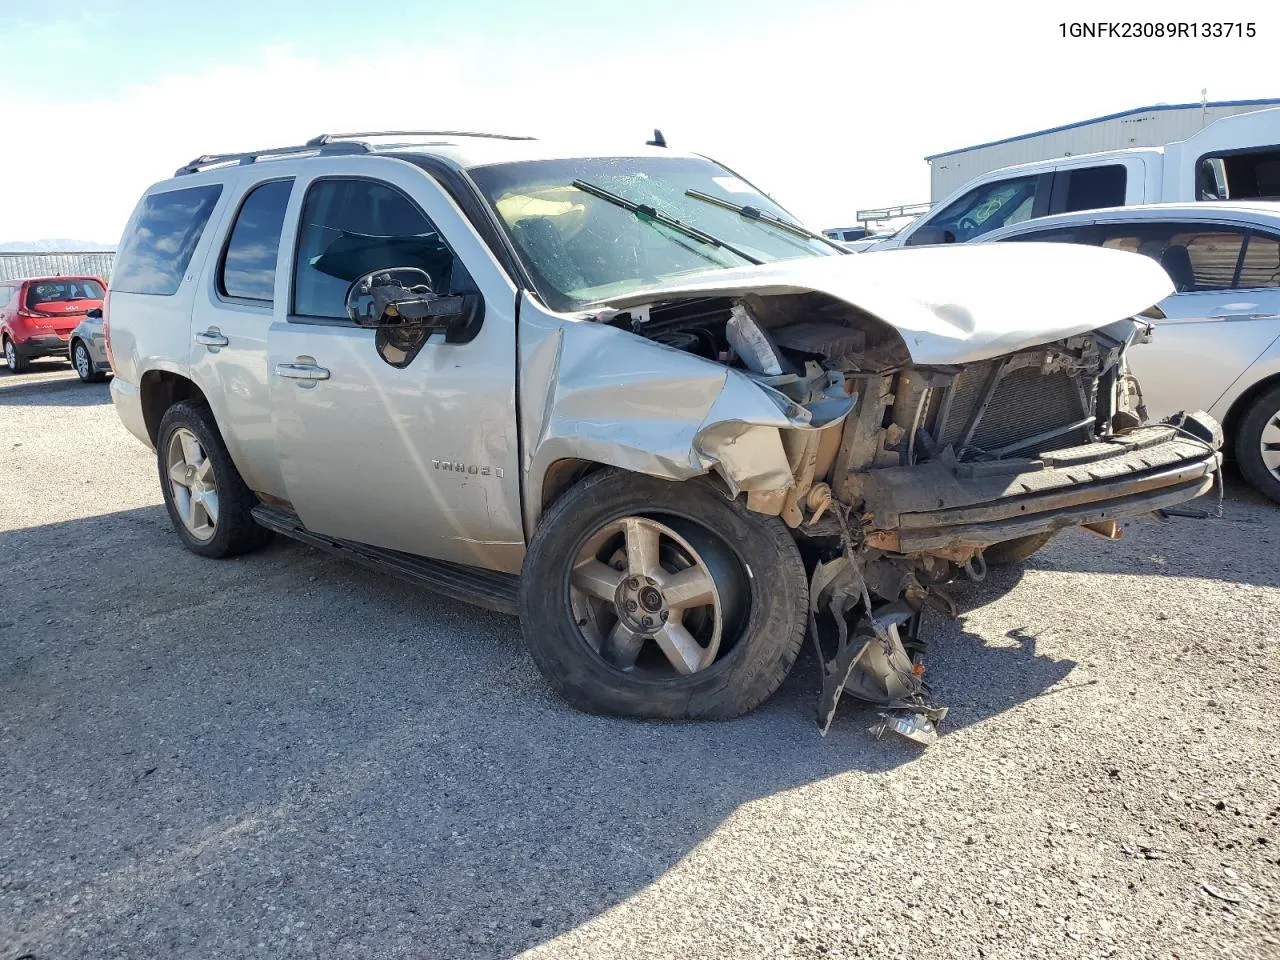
421,457
230,319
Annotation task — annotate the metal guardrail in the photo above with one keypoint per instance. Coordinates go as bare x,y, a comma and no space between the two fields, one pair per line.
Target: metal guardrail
60,263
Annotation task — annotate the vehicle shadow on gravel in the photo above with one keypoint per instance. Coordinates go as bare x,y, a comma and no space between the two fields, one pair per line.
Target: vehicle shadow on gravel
35,390
1181,546
286,750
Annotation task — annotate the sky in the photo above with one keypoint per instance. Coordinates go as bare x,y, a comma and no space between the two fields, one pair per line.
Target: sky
830,107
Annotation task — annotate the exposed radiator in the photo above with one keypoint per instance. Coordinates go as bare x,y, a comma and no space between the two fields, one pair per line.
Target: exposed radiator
1026,403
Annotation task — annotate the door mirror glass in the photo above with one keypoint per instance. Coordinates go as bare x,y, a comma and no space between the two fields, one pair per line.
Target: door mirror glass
94,314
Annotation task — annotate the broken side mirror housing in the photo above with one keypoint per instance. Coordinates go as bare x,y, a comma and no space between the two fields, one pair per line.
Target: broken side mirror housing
403,299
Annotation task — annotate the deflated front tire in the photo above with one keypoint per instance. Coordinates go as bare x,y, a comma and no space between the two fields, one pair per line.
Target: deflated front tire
651,598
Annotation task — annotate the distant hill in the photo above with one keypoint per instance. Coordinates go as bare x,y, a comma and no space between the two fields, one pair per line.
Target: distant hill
52,246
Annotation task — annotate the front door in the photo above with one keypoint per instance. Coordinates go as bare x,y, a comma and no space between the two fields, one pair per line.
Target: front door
421,458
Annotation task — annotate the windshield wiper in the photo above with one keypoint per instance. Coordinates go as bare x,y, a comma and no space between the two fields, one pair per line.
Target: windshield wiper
644,211
755,213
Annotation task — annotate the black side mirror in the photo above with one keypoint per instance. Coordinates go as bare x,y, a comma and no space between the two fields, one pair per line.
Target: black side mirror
403,298
929,236
94,314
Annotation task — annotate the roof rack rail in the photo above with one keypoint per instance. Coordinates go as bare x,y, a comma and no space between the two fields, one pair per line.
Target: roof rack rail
326,138
209,160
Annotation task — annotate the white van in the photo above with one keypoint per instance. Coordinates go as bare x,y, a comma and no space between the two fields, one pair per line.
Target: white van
1234,158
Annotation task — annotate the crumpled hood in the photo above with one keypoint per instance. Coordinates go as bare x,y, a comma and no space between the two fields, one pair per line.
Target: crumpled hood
955,304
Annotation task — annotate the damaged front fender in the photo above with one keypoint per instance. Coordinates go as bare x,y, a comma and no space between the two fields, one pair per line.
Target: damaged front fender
593,392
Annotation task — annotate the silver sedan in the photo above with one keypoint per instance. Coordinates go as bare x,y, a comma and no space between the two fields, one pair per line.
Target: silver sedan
1217,348
87,349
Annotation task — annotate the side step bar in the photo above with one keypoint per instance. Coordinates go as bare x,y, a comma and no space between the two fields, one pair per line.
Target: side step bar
485,588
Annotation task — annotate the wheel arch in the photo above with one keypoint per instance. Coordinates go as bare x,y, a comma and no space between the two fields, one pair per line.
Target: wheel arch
1240,406
564,474
158,390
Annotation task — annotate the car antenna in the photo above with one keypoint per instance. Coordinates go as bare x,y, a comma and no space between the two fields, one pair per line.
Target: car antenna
658,139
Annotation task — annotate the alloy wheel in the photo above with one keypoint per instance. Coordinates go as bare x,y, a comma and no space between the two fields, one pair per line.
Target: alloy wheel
645,598
10,355
81,356
1270,444
192,483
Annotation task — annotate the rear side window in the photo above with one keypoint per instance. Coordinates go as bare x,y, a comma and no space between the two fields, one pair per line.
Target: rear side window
353,227
61,291
1213,253
249,264
1088,188
1197,257
1260,266
157,251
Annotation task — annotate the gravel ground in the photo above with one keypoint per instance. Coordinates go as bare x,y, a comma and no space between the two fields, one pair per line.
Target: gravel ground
287,756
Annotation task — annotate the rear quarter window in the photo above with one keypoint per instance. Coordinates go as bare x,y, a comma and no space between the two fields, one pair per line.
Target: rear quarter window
164,233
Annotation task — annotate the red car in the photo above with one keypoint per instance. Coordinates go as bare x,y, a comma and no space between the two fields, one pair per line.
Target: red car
37,315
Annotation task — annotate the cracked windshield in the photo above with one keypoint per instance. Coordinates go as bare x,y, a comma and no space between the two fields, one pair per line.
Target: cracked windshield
580,248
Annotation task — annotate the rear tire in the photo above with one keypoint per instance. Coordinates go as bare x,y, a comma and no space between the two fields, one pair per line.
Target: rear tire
83,363
217,526
1259,428
1018,550
760,585
17,362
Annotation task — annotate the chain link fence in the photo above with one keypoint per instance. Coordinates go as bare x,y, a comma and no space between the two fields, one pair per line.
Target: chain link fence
95,263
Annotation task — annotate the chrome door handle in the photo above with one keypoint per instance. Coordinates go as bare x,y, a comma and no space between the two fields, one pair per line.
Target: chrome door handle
1246,316
211,338
301,371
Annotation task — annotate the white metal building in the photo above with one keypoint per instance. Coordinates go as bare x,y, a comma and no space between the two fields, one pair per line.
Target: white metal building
15,264
1142,127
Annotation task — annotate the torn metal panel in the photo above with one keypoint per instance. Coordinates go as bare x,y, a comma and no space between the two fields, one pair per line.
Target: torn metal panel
594,392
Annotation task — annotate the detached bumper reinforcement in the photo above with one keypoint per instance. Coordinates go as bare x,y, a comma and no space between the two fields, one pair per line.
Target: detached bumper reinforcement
982,533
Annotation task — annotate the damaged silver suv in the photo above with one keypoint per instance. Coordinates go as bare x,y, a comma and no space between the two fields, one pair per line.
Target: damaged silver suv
629,397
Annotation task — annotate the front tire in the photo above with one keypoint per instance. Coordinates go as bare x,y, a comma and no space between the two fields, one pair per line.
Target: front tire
208,502
649,598
17,362
1257,443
